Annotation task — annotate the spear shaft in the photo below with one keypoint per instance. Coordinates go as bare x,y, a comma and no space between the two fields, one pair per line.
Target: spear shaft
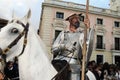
84,50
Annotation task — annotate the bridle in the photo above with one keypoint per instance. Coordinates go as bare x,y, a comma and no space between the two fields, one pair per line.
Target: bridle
16,40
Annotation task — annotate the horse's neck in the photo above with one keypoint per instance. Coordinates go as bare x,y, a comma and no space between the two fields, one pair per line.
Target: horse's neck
33,50
34,60
35,46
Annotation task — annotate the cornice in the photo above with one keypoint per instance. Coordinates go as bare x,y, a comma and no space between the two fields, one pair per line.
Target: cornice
82,8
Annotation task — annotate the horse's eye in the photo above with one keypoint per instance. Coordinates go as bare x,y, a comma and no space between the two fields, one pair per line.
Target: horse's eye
14,30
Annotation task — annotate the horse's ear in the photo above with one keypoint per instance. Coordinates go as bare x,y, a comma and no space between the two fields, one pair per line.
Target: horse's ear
28,15
13,14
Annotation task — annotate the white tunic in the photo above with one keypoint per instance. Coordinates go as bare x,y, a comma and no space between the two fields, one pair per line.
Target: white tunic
90,75
69,44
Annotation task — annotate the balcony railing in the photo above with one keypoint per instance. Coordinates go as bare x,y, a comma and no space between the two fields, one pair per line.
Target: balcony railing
100,46
116,48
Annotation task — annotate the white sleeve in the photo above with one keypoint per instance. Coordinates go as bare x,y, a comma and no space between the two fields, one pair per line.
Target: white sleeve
58,42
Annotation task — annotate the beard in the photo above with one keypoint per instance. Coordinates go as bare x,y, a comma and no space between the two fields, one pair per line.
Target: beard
77,24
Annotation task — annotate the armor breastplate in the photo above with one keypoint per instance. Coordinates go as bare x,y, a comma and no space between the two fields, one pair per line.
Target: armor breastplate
68,44
71,40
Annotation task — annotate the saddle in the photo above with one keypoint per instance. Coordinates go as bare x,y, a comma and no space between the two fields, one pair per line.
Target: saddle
63,68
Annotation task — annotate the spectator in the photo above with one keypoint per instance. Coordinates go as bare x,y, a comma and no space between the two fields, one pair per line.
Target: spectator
117,73
111,74
105,71
90,75
96,71
10,71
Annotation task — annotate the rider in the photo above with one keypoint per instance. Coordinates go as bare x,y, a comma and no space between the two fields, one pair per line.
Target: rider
68,45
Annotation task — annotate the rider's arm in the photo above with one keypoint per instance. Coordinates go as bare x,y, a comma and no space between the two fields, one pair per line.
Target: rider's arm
58,44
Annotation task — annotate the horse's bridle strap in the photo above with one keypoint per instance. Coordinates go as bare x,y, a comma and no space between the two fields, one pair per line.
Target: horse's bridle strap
14,42
6,50
25,41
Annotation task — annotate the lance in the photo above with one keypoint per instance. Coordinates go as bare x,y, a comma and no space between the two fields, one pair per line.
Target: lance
84,50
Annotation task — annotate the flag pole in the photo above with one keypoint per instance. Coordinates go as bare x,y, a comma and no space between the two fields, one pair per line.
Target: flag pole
84,50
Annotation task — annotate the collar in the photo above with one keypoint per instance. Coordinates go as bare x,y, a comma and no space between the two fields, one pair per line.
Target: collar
78,30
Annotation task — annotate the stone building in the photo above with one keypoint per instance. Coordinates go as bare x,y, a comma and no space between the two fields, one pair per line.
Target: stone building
105,21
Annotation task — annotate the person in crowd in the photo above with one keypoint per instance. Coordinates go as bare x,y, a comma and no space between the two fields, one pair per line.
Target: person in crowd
105,71
117,72
89,73
10,71
3,77
97,71
111,74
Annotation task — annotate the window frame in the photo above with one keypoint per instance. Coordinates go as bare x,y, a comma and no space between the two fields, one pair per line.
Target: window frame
99,21
116,24
60,15
117,43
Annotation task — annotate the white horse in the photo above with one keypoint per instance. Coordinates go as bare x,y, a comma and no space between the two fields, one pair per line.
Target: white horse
34,62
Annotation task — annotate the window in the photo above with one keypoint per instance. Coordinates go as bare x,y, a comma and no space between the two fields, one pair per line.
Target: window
59,15
117,43
57,33
99,21
82,18
117,24
99,44
99,59
117,60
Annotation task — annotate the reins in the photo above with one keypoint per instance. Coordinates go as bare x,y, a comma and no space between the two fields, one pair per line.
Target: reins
63,67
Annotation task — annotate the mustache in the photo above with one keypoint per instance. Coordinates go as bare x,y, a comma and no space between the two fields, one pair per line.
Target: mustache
77,24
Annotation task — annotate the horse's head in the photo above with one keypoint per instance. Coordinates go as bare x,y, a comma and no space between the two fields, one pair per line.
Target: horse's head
12,36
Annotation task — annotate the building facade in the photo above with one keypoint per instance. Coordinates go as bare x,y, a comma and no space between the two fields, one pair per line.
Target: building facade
106,23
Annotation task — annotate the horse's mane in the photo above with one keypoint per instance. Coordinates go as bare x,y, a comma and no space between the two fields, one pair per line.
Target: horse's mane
43,46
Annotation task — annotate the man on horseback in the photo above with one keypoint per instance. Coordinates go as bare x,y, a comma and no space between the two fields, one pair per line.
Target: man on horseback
68,45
